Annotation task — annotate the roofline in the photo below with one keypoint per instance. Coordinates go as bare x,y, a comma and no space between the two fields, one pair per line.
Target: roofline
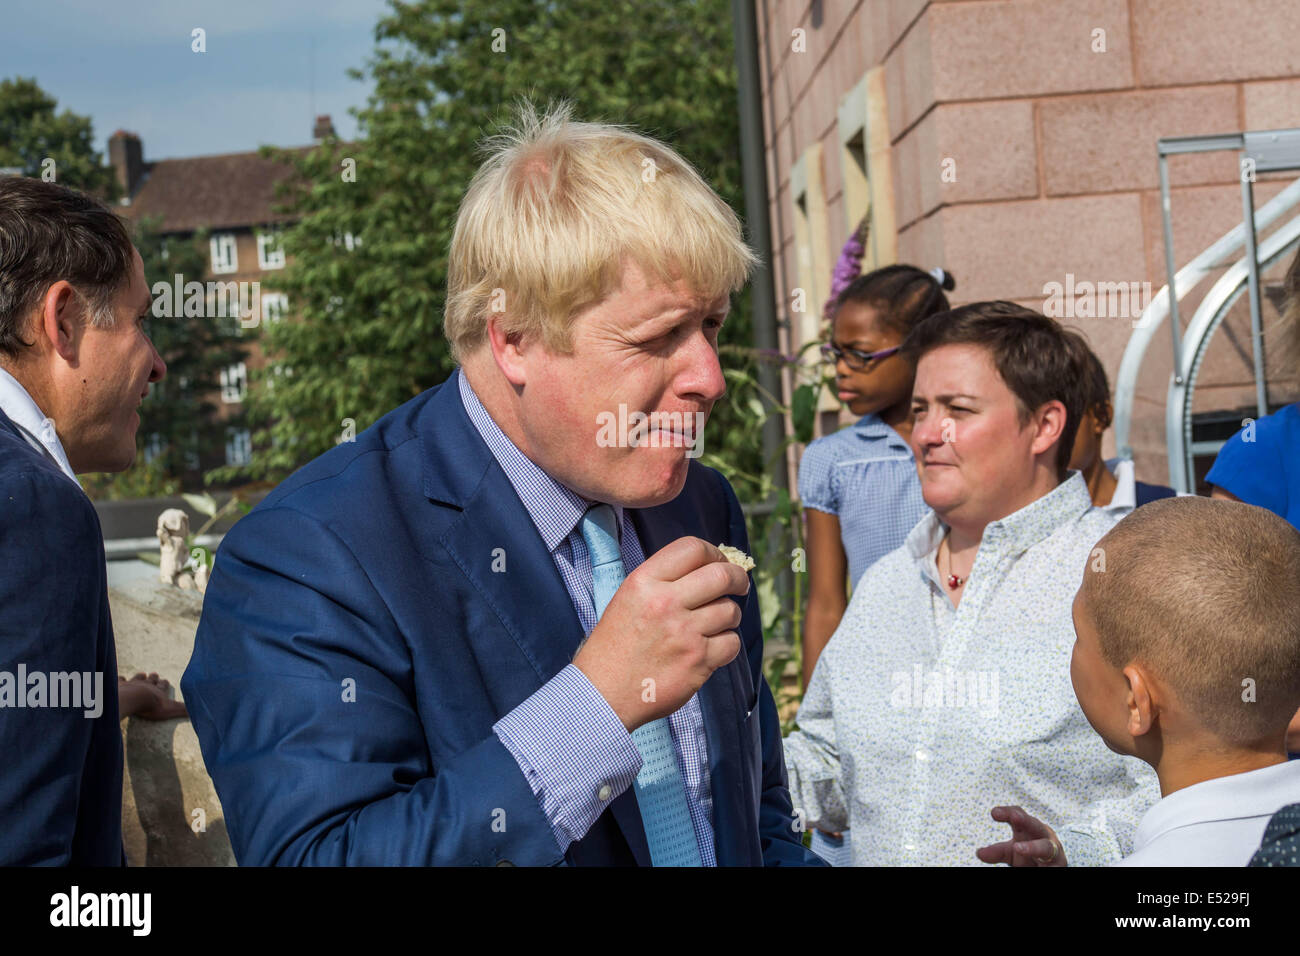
255,152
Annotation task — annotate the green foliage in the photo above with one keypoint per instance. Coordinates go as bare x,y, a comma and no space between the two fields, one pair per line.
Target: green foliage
775,522
371,335
31,133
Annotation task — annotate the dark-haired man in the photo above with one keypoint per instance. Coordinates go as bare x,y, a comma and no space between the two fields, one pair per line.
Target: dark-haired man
946,688
75,363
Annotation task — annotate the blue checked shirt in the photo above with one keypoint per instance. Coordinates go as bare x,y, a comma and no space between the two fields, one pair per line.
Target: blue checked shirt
574,751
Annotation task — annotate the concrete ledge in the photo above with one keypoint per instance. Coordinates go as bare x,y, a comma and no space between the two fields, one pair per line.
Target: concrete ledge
170,812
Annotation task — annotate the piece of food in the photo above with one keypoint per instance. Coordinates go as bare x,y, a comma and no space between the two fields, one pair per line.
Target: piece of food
737,557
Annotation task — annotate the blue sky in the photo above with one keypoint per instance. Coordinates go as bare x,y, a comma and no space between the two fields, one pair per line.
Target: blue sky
128,65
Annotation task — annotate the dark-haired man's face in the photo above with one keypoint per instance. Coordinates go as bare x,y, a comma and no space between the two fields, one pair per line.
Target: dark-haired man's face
977,461
102,394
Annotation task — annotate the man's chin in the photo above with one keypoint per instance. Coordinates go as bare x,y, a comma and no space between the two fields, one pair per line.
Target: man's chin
121,461
660,494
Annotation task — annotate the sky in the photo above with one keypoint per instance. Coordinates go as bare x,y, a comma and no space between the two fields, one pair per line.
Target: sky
128,64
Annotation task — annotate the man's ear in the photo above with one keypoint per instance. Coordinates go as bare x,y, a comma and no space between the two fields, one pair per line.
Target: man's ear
62,321
1050,422
507,351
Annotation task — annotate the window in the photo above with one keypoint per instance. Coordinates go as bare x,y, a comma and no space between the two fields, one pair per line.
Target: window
234,383
275,305
270,255
346,240
239,446
224,257
866,168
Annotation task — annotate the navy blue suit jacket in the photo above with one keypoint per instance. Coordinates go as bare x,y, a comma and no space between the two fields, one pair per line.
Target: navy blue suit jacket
372,568
1145,494
61,781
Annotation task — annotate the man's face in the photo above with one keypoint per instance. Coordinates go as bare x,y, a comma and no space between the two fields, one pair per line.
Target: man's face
648,348
1101,689
974,457
115,367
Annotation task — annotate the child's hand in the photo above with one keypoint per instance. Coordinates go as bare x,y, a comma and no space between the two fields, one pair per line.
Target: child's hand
1032,843
147,698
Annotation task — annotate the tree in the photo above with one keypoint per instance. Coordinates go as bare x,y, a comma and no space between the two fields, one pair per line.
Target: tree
58,148
370,335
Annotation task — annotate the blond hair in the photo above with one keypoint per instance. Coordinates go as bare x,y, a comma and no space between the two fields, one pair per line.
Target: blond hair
553,213
1203,592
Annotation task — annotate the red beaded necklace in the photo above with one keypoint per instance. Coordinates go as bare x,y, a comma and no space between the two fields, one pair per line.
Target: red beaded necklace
954,582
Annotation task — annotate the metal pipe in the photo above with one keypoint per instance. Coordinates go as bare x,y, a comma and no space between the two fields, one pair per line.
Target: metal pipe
753,165
1252,266
1175,327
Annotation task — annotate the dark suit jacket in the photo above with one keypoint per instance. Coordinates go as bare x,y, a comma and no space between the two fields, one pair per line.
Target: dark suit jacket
1145,494
61,782
371,568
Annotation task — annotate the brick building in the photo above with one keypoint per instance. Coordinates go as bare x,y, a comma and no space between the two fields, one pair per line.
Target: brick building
232,197
1013,142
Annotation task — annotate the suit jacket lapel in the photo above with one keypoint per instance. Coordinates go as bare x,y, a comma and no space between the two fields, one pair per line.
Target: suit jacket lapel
528,596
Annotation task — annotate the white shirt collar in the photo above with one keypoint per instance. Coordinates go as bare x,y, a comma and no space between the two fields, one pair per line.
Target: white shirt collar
1125,497
1252,794
1015,533
22,410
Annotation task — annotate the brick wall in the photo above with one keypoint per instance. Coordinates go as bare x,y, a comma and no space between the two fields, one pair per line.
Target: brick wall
1052,142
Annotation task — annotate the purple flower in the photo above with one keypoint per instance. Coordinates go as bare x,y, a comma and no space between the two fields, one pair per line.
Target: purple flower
847,268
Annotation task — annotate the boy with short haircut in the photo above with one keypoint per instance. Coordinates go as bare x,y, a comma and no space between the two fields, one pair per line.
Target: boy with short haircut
1188,657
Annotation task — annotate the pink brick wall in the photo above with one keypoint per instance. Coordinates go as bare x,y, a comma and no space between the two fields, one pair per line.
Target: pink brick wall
1053,144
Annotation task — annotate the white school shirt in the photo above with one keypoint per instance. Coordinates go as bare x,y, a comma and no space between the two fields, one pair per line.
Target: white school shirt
921,717
21,409
1217,822
1124,499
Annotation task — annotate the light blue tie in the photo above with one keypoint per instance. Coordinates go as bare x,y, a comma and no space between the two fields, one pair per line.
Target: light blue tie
660,793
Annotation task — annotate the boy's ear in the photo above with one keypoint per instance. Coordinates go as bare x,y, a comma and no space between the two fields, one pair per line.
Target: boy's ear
1143,708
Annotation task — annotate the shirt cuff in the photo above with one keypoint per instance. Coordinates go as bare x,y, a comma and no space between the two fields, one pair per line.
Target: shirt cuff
573,750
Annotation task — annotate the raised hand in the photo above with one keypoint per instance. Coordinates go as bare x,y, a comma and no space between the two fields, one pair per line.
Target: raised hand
669,626
1032,843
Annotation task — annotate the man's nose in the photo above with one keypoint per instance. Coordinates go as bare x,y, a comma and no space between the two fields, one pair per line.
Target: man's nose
704,376
159,368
